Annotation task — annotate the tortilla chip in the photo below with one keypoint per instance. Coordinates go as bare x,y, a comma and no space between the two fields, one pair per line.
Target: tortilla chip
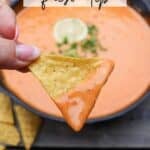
29,125
9,134
73,83
6,114
59,74
2,147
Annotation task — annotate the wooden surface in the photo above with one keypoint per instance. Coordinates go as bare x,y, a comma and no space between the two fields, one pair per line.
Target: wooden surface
130,130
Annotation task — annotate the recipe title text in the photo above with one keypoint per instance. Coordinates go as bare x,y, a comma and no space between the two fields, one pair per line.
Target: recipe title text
74,3
66,2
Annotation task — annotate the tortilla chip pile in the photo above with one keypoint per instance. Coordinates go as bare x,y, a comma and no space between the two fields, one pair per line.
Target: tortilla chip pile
6,108
28,123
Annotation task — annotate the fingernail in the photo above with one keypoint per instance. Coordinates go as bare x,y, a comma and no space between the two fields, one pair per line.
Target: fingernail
26,52
16,33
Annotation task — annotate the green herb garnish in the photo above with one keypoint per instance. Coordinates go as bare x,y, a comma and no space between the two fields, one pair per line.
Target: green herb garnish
91,44
88,44
92,30
73,46
65,40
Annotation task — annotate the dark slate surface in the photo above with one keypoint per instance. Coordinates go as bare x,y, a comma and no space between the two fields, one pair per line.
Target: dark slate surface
130,130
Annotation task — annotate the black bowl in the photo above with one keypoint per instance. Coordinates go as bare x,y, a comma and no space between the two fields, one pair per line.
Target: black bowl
94,120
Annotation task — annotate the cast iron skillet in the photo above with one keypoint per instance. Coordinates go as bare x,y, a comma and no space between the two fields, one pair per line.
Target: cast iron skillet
142,6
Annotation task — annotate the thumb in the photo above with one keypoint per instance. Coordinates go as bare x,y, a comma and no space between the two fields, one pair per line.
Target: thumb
16,56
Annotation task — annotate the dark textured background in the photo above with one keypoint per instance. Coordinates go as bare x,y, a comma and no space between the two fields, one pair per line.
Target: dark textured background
130,130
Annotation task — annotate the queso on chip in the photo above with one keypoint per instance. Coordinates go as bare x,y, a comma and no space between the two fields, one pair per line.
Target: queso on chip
73,83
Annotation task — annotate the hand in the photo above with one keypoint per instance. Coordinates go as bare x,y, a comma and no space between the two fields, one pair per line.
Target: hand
13,55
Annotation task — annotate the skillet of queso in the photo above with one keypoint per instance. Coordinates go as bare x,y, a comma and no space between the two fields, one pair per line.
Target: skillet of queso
122,32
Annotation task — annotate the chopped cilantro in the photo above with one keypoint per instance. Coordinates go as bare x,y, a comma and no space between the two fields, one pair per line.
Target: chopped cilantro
73,46
92,30
65,40
90,44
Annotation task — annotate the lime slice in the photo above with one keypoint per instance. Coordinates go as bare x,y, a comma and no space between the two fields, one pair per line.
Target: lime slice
74,30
